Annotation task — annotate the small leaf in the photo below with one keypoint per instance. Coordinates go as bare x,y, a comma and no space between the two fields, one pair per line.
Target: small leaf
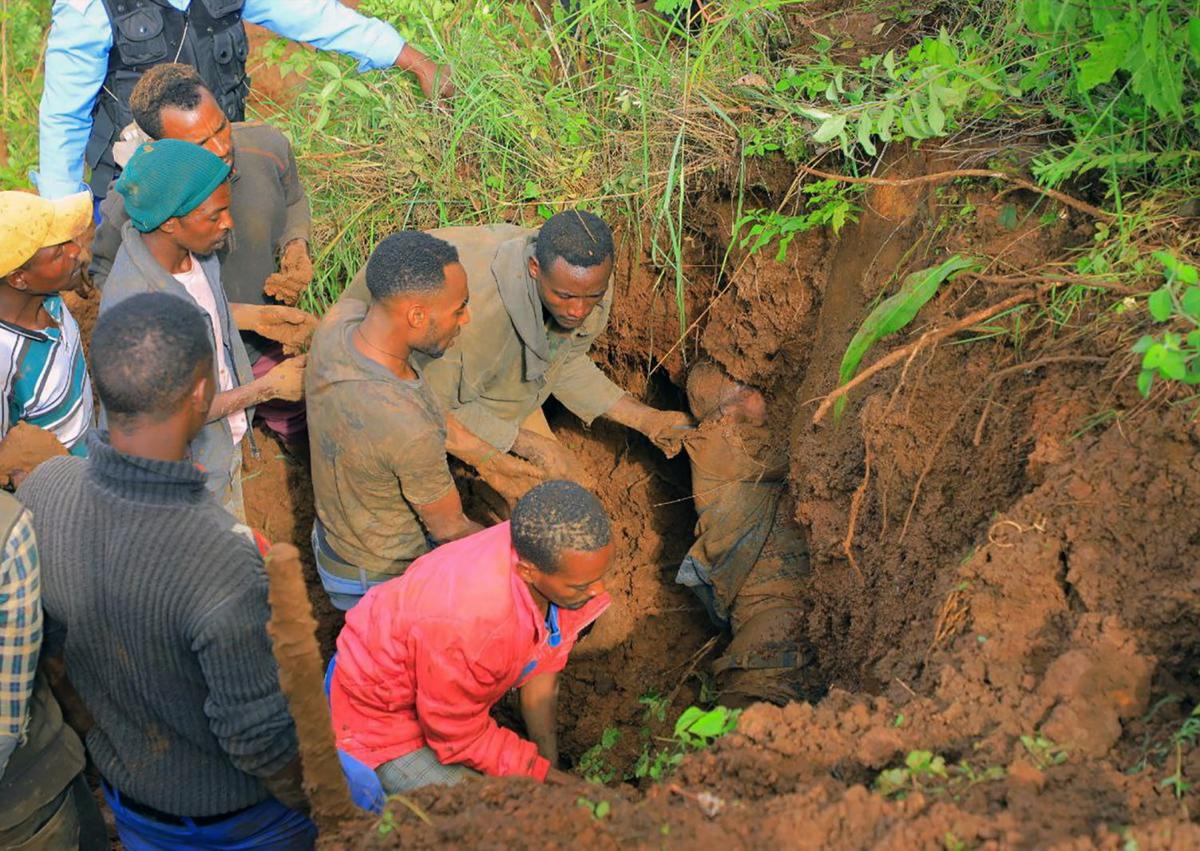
1191,302
357,86
602,809
1008,217
830,127
864,134
1145,341
935,117
884,125
1159,304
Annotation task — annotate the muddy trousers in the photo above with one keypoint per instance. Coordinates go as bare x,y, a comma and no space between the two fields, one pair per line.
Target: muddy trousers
768,658
70,821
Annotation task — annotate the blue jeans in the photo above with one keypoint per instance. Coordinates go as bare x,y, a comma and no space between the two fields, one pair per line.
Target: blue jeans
269,825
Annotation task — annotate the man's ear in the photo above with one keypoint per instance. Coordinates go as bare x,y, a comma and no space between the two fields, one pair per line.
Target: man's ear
416,314
16,280
170,225
535,268
526,571
201,395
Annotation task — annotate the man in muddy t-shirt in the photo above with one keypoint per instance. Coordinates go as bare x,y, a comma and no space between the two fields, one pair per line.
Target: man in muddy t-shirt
383,490
540,298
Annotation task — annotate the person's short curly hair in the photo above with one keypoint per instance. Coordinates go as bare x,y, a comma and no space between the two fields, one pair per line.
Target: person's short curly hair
145,353
409,262
555,516
580,238
171,85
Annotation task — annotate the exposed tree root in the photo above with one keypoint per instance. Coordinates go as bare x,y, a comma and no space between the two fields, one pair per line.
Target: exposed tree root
931,336
943,176
855,505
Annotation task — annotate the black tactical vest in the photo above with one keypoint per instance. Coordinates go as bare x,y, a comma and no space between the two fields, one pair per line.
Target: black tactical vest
209,36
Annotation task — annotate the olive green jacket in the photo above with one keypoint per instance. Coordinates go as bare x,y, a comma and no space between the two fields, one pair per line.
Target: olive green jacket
505,363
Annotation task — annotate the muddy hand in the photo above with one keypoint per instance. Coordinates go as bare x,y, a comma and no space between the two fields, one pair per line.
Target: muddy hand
287,325
510,476
286,381
294,275
23,448
667,430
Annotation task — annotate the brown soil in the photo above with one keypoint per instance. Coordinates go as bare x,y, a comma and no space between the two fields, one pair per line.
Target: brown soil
23,448
1022,600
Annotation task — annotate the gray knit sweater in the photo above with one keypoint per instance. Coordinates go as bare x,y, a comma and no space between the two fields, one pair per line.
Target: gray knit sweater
162,604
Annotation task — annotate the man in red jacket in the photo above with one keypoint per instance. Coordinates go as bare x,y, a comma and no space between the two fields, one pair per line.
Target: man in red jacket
424,657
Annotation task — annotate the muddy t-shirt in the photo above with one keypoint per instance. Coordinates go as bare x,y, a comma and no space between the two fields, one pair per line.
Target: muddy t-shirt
378,449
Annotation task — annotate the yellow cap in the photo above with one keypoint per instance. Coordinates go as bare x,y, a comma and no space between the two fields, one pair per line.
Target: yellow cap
29,223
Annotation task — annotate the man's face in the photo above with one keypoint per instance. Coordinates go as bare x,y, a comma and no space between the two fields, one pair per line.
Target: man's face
579,578
570,293
53,269
206,126
445,313
206,228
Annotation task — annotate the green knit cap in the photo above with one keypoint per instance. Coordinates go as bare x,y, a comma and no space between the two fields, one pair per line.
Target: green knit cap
168,178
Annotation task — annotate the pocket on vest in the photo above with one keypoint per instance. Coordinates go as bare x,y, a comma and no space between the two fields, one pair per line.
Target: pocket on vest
140,37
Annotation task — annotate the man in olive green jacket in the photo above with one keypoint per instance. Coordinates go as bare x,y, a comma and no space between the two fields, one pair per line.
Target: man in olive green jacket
538,300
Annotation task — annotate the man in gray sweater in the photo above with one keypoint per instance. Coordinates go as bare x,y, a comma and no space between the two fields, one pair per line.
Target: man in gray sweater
158,600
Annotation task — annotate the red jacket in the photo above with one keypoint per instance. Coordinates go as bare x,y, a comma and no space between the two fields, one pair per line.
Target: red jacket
424,657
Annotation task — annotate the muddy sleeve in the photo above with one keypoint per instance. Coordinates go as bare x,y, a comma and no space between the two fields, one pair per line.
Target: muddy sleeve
420,465
583,388
449,380
246,709
455,693
298,221
107,240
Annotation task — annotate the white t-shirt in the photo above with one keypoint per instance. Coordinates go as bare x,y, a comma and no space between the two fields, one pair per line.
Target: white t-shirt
196,283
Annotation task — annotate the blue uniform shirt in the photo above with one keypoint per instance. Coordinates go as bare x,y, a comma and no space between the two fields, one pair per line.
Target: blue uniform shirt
77,62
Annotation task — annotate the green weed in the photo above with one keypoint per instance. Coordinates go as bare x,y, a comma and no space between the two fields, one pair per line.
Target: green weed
695,729
1044,752
593,765
928,773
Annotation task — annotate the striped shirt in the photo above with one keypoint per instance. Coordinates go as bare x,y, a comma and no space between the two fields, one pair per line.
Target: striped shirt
43,376
20,632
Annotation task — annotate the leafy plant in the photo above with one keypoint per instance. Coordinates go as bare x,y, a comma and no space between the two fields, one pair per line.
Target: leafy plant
695,729
927,772
894,313
593,765
598,809
1043,751
1171,354
829,204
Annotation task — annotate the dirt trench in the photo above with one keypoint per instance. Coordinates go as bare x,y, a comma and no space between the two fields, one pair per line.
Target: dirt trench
1022,598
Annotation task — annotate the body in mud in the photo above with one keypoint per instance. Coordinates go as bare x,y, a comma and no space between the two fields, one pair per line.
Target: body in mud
749,562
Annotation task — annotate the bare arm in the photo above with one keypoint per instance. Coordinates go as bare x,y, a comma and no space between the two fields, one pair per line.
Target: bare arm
539,709
444,518
509,476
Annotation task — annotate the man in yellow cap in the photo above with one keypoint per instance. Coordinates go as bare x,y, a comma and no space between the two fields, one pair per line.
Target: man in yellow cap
43,375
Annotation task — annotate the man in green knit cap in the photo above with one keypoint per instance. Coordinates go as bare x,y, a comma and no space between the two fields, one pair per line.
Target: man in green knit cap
177,197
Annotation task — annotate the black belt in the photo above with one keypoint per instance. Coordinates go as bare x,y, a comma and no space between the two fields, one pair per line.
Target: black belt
136,806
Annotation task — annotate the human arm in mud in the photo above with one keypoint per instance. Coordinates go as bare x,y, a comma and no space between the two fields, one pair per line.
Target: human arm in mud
506,474
666,429
539,709
287,325
285,381
287,786
444,520
295,263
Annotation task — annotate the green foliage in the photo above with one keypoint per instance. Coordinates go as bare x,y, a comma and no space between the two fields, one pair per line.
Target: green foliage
594,765
1043,751
656,706
695,729
24,32
928,773
1173,355
894,313
598,809
828,205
